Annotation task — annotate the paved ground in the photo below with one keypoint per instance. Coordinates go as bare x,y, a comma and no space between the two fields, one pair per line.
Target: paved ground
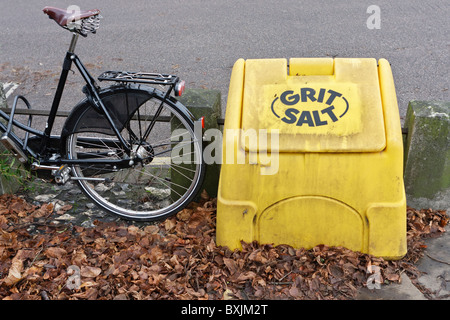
201,40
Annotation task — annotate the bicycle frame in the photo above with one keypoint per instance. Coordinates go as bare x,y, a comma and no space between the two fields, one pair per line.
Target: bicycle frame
91,90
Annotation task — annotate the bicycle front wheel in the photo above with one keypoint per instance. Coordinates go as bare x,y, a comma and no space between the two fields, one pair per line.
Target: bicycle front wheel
165,169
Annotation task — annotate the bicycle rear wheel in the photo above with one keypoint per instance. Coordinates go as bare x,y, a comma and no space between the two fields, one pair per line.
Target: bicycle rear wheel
165,170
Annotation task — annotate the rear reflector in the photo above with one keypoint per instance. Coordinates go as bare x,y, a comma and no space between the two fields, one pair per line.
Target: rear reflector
179,88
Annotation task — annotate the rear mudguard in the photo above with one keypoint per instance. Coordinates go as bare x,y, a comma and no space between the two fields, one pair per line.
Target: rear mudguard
121,102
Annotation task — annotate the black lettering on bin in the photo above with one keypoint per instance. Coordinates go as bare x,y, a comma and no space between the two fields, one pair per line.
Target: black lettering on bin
291,100
305,117
321,95
308,93
330,112
290,115
333,95
317,119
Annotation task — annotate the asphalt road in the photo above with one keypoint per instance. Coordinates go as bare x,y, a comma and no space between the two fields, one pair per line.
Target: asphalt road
200,40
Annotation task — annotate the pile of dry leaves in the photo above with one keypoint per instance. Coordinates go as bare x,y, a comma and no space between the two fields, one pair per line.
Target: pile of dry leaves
178,259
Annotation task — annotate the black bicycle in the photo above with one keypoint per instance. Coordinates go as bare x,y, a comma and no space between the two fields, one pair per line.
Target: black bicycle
132,148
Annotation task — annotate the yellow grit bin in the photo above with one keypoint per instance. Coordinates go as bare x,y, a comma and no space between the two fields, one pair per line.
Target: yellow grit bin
313,154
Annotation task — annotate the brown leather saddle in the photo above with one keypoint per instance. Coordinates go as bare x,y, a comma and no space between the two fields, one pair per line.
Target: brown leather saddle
62,17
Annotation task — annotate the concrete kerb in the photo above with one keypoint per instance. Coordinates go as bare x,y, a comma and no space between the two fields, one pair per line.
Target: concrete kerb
427,154
427,147
206,103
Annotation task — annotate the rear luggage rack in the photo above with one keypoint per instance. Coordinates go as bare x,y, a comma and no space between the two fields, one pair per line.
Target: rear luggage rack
139,77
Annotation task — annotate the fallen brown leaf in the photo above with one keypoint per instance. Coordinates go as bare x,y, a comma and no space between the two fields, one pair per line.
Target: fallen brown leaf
15,270
55,252
90,272
179,259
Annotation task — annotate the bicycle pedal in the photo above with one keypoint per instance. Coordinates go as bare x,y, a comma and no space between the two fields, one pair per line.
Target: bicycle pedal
62,175
13,148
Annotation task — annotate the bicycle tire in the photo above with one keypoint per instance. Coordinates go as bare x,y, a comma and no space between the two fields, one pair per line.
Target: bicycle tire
146,190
